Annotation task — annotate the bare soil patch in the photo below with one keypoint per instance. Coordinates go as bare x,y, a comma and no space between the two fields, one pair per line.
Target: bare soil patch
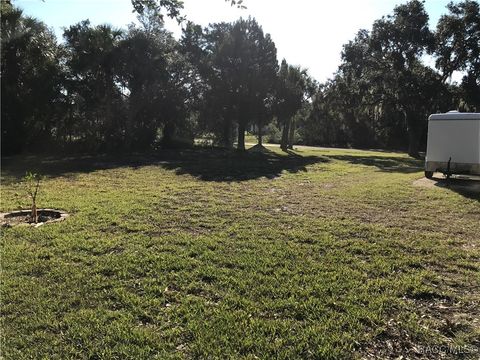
469,184
22,217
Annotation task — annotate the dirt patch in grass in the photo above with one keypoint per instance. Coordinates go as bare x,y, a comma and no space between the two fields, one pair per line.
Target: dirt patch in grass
22,217
458,183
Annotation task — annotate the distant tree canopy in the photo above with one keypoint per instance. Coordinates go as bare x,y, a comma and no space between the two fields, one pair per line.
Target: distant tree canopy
240,68
382,94
292,90
104,89
458,48
31,81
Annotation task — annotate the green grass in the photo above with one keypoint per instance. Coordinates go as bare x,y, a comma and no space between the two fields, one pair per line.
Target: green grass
251,138
209,254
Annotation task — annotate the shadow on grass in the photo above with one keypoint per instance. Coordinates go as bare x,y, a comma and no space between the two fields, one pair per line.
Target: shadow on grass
223,165
383,163
467,187
206,164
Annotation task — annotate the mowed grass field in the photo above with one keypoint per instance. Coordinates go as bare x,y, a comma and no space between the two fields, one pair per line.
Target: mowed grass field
321,254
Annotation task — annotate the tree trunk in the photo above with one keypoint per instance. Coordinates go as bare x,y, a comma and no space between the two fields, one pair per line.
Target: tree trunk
414,133
34,215
291,134
227,134
131,131
413,142
109,119
285,132
241,136
68,128
168,132
259,132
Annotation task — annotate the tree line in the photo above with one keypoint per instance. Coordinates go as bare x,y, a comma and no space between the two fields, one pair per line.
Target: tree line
383,93
105,89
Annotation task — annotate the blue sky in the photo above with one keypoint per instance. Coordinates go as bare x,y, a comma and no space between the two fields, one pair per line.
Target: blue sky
309,33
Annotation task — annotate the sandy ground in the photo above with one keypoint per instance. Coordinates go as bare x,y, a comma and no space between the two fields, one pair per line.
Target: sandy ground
469,184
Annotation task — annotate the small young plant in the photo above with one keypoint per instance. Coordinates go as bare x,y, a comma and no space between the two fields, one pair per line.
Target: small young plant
32,182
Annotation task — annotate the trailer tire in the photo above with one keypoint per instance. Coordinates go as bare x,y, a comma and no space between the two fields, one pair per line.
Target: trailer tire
428,174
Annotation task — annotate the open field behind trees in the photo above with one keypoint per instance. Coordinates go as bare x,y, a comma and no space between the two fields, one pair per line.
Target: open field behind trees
212,254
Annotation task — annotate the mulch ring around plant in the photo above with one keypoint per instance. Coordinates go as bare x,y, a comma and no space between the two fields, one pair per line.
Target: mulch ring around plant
22,217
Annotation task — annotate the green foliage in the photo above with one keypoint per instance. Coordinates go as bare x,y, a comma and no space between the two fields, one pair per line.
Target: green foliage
32,184
273,134
173,8
155,8
240,66
95,102
382,94
291,91
30,82
109,90
458,48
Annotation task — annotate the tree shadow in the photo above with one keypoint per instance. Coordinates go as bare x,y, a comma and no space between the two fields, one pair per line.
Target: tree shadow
404,165
14,168
208,164
224,165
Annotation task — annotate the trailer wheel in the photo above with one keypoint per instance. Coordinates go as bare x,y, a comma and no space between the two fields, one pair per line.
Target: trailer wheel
428,174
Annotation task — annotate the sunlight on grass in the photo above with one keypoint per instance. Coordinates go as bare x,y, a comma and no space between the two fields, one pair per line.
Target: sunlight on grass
316,254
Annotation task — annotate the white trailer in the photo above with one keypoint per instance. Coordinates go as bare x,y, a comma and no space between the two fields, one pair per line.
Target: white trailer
453,144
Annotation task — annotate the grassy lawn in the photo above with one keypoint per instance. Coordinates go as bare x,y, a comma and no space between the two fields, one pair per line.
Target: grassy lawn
250,138
208,254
